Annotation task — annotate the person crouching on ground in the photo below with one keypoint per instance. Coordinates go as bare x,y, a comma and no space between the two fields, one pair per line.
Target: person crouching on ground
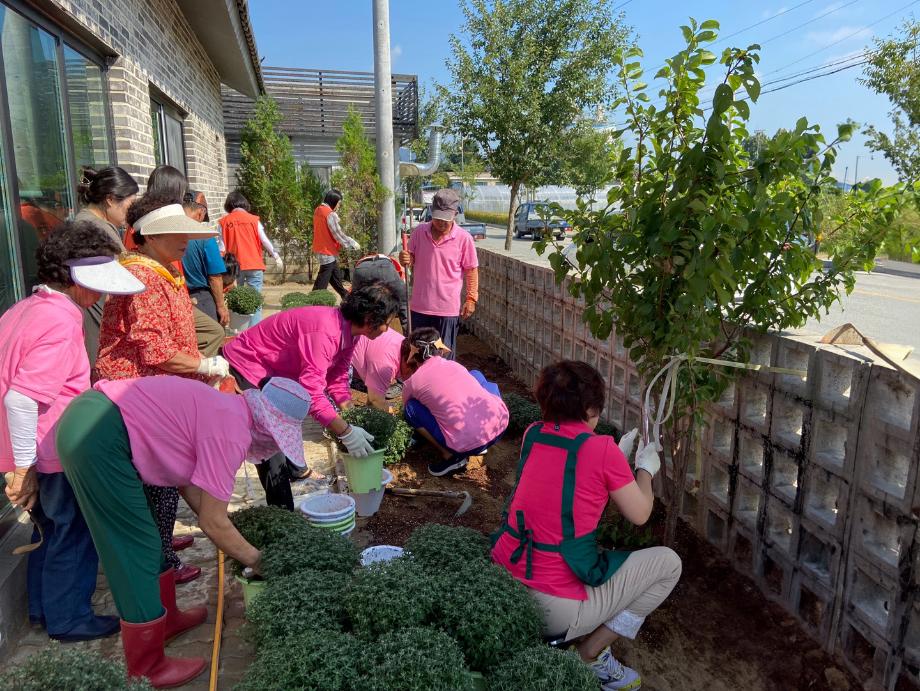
44,366
376,363
175,432
456,410
566,476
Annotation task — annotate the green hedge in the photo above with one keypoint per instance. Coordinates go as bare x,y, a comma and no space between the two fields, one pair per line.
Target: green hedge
498,219
321,298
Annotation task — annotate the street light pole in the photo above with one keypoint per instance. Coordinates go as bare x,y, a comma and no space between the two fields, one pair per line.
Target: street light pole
856,173
383,107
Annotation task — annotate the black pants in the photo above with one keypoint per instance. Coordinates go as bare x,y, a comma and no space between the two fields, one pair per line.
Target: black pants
448,327
382,269
330,273
274,475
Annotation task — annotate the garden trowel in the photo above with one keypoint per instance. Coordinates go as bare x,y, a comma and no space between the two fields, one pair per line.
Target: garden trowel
465,496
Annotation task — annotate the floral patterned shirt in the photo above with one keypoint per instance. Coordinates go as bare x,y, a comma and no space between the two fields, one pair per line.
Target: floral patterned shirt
140,332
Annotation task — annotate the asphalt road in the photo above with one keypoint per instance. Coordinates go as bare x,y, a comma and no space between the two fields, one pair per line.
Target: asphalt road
885,304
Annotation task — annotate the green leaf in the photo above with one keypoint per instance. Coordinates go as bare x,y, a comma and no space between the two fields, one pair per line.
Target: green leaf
752,86
710,24
722,98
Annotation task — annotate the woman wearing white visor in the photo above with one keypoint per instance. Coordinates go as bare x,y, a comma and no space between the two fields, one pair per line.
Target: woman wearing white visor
44,366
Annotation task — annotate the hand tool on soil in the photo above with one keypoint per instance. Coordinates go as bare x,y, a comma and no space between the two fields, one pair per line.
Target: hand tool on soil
465,496
32,546
405,246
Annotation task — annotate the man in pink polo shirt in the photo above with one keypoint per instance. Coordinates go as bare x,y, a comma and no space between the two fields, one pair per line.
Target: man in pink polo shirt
442,258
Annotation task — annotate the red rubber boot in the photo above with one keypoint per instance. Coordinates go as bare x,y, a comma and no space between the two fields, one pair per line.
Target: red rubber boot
144,656
177,620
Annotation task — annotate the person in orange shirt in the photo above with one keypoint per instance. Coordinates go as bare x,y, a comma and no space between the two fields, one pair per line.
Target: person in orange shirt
245,237
328,241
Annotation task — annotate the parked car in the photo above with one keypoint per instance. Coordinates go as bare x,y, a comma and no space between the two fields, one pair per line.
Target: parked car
477,230
534,218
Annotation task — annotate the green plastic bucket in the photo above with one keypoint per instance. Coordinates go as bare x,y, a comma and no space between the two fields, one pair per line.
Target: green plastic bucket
251,588
364,474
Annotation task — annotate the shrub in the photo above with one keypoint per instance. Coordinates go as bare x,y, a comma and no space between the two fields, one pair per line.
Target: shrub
262,525
417,659
288,605
391,432
522,413
442,547
244,300
607,429
390,595
497,218
327,660
59,667
489,613
314,548
542,668
323,298
615,532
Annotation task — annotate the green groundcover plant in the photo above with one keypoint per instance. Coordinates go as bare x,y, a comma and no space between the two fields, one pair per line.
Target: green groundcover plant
542,668
391,432
522,413
419,659
244,300
390,595
327,660
321,298
59,667
262,525
441,547
291,604
313,548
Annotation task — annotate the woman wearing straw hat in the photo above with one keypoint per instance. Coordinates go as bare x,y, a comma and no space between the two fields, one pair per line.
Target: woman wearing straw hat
153,333
44,366
167,431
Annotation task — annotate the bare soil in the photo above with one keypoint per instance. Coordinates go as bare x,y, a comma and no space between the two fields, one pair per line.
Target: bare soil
716,631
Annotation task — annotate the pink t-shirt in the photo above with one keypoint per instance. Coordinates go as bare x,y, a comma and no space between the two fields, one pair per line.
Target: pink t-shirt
182,431
377,361
438,270
468,415
42,356
312,345
601,469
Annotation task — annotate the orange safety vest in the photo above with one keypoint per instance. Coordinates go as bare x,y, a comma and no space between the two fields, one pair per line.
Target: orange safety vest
323,242
241,238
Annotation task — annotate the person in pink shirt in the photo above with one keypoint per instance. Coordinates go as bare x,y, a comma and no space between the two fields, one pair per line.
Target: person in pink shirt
455,409
167,431
566,476
442,257
376,362
312,345
43,366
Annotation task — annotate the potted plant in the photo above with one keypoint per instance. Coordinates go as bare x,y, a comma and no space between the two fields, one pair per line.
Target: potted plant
442,547
242,301
321,298
392,437
59,667
542,668
311,548
289,605
419,659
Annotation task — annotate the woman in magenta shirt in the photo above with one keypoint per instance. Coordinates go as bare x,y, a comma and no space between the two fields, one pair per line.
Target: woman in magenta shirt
376,362
167,432
567,474
44,366
458,411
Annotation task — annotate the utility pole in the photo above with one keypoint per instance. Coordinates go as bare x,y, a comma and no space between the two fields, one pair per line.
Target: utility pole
383,107
856,173
846,171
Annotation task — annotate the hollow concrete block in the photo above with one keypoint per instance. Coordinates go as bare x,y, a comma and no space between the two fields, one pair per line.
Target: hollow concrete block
719,437
813,604
886,465
747,503
787,422
833,442
717,482
774,572
754,405
751,455
795,354
871,597
785,477
715,522
743,547
893,399
780,526
826,497
819,554
878,535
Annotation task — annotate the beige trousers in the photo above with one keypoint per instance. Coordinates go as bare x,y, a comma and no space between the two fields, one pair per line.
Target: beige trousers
637,588
210,334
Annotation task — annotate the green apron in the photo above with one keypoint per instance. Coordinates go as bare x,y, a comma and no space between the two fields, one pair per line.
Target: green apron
592,566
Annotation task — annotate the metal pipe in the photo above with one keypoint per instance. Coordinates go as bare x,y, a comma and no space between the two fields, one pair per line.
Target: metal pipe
416,169
383,105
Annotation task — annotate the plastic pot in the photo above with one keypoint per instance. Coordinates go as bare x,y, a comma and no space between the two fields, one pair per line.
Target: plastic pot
479,681
327,508
335,525
368,503
379,553
239,322
364,474
251,588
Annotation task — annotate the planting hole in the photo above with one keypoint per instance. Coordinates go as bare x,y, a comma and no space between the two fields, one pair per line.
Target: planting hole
879,534
836,379
715,528
751,455
773,574
787,421
754,409
889,470
747,503
823,497
816,555
718,482
830,443
871,599
811,608
785,476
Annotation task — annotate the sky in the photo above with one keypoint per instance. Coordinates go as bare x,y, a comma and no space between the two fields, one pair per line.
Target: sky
795,35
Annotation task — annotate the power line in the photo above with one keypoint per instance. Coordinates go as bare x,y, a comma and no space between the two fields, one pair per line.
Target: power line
621,5
763,21
810,21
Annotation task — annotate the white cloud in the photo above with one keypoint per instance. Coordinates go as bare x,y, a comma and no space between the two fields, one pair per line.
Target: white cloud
395,52
828,36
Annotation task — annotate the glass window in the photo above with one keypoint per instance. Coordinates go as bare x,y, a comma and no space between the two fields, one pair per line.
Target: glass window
168,145
174,145
10,281
37,127
88,118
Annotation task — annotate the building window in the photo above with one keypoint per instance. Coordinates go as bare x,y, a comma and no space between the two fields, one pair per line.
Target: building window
168,145
88,112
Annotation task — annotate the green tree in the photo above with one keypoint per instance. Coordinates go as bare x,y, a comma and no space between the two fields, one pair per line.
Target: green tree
589,162
357,179
893,70
269,177
523,74
697,246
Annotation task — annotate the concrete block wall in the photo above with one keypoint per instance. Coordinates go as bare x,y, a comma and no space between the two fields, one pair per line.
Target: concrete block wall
807,484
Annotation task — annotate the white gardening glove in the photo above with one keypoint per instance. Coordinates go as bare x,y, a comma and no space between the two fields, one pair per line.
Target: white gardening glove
627,441
647,458
358,441
278,262
214,367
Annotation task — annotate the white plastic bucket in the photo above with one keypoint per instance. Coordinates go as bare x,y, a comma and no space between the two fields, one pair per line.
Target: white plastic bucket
239,322
368,503
327,508
379,553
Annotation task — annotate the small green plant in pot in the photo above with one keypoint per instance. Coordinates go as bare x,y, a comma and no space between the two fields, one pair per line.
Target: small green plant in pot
313,548
542,668
390,431
262,525
59,667
244,300
443,547
315,298
418,659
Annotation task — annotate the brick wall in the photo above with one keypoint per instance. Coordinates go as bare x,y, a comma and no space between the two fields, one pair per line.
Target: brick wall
808,485
157,47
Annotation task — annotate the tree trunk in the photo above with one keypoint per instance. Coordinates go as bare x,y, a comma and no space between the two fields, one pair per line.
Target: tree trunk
681,450
515,187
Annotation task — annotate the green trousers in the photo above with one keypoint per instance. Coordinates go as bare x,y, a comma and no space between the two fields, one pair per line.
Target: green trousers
95,451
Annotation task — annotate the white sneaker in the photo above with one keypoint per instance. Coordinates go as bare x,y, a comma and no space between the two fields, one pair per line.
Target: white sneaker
614,675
